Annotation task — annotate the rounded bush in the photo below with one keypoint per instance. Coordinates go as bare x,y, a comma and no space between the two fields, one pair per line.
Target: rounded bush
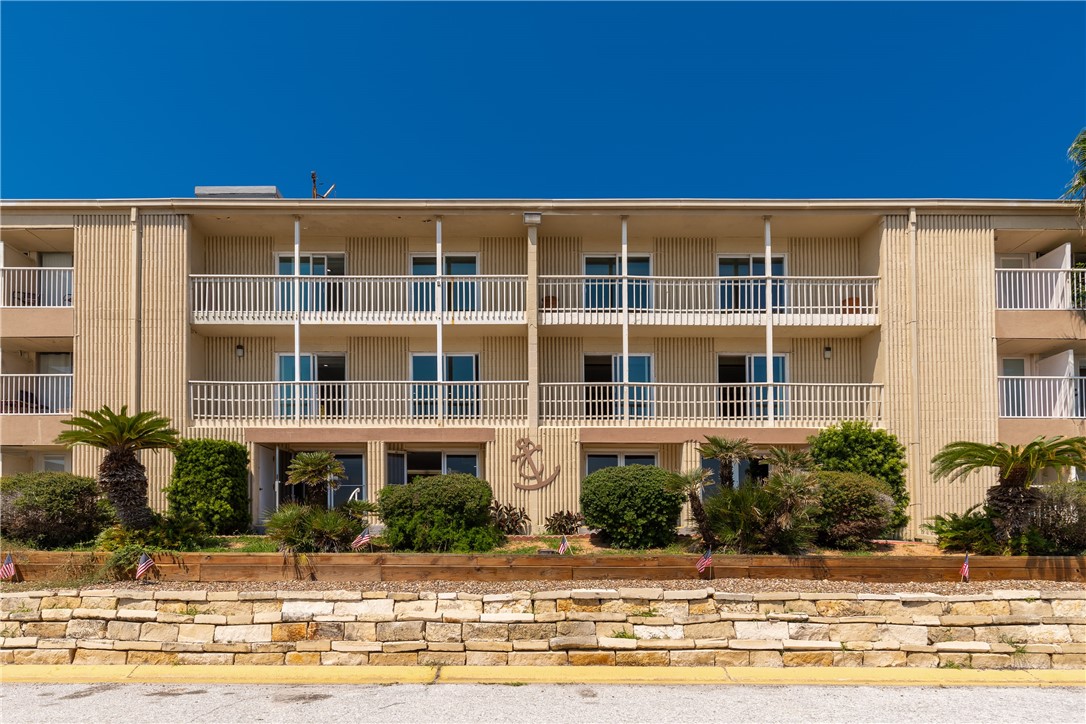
854,508
311,529
439,513
631,506
51,510
210,483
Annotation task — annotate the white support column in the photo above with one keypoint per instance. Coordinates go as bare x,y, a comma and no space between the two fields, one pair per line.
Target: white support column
297,282
439,310
770,402
135,300
625,322
531,313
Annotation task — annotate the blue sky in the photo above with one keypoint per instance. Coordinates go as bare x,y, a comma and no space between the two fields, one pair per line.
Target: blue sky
454,100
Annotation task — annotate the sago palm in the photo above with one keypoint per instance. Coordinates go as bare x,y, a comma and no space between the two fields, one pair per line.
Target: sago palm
121,475
691,484
727,452
1076,187
315,469
785,460
1011,501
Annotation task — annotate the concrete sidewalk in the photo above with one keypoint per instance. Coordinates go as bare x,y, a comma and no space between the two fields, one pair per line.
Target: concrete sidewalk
147,674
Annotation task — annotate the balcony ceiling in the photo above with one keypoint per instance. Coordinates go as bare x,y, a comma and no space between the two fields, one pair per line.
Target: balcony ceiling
39,344
1043,347
39,239
1020,241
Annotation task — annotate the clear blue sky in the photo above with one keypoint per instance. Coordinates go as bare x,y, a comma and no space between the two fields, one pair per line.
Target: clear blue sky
566,100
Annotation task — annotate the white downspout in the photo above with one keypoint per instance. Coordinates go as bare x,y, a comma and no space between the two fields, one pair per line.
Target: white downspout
769,371
135,291
439,309
914,359
625,322
297,281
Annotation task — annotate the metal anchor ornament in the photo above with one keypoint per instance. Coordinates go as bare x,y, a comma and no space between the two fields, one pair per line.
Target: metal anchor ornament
529,469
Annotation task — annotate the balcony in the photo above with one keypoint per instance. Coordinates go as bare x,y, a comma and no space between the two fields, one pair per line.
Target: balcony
1054,398
36,394
1041,289
228,299
713,405
710,301
360,403
35,287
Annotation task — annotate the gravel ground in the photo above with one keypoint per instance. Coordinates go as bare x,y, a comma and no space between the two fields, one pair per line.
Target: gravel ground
729,585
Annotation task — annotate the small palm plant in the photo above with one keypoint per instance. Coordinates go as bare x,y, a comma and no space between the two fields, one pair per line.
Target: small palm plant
727,452
1011,501
691,484
786,460
1076,187
120,474
315,471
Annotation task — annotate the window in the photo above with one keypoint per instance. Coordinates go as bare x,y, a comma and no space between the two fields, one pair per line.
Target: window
599,461
460,394
743,392
351,487
604,290
743,472
605,399
54,463
326,398
461,295
742,285
316,295
405,466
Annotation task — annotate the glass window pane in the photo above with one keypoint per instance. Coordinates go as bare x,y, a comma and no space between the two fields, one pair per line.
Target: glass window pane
423,266
599,462
640,368
639,266
423,464
54,463
397,468
461,265
286,265
600,265
462,463
460,368
1014,367
424,368
639,460
735,267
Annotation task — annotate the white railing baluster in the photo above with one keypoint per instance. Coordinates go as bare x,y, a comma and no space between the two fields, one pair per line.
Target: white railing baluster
35,286
36,394
1042,397
1040,289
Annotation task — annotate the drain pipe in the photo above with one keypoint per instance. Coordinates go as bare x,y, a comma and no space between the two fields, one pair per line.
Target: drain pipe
914,361
135,281
297,283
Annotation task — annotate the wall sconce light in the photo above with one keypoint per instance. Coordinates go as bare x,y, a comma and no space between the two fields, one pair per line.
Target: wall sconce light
827,352
532,218
240,350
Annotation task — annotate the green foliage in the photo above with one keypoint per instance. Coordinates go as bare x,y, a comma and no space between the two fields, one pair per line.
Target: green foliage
1076,187
315,469
439,513
787,460
210,483
1018,465
1061,518
51,510
564,522
855,447
772,518
361,511
311,529
167,533
968,532
726,451
632,506
691,484
509,519
853,509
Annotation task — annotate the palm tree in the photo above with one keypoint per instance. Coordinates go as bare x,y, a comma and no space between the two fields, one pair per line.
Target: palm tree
120,474
784,460
315,470
1076,187
690,484
727,452
1011,501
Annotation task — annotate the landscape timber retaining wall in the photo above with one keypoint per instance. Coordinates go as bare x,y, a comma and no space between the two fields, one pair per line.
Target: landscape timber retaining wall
235,567
640,627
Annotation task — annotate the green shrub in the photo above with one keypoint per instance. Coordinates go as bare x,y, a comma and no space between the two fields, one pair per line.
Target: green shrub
167,533
310,529
855,447
1060,518
210,483
853,508
564,522
772,518
631,506
509,519
439,513
51,510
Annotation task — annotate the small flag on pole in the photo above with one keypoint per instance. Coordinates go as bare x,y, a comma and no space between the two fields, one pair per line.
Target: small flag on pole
563,546
7,571
964,570
362,539
705,561
146,563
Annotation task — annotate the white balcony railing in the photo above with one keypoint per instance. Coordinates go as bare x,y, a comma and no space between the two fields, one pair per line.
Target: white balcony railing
360,403
1042,397
35,394
756,405
1035,289
805,301
35,286
356,300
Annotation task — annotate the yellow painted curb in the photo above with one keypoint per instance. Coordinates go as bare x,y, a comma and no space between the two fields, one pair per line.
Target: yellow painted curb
233,674
581,675
859,676
1059,677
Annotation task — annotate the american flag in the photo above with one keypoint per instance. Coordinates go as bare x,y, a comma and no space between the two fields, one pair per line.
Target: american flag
362,539
705,561
7,571
563,546
964,570
145,564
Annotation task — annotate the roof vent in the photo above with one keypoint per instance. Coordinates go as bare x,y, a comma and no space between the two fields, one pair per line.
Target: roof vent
237,192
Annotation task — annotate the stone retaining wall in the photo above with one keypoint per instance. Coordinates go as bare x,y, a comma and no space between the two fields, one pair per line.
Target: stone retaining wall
631,627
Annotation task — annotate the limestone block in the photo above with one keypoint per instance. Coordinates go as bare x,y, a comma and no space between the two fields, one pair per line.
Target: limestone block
342,596
195,633
693,658
414,610
209,618
756,645
179,647
21,642
917,635
642,658
544,607
306,610
839,608
592,616
123,630
806,645
401,631
922,661
525,658
205,659
808,631
720,630
1031,661
99,656
443,632
666,644
158,632
575,628
767,659
153,658
338,658
57,602
978,647
97,602
356,646
103,613
144,645
854,632
485,632
529,645
762,629
60,614
43,656
607,642
45,630
136,614
359,631
609,629
592,658
507,618
728,658
885,658
442,658
316,646
266,617
1075,608
807,658
486,658
658,632
644,594
243,634
85,629
519,606
1039,634
259,659
1059,661
289,631
451,647
937,634
535,631
564,643
368,609
399,647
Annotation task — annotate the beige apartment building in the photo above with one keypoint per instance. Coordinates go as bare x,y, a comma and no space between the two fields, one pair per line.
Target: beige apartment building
532,341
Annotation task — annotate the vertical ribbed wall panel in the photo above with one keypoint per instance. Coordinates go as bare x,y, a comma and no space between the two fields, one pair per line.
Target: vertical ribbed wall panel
224,365
684,257
809,363
820,256
504,359
164,335
560,255
503,255
100,360
560,448
377,256
376,468
561,359
685,360
239,255
501,471
378,359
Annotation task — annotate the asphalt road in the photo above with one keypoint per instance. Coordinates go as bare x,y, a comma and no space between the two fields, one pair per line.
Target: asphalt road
538,704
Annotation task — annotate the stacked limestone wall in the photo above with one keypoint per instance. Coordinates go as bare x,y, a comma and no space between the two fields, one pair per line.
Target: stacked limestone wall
639,627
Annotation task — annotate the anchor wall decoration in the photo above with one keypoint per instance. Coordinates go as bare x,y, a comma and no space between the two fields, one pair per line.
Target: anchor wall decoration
529,469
